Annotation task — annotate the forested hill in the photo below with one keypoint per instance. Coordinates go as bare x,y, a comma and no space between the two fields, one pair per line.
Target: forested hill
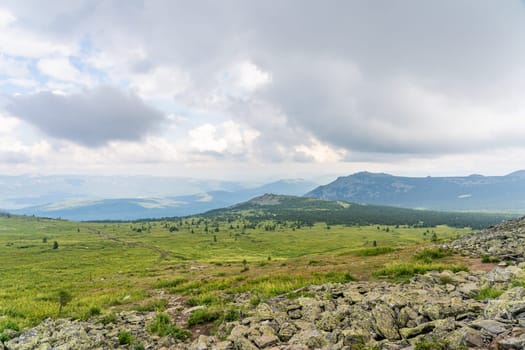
311,210
467,193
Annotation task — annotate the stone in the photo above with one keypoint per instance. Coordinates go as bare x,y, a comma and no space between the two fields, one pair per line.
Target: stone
385,322
511,343
473,338
490,326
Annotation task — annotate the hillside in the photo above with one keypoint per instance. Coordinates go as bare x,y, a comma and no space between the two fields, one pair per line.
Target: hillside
311,210
474,192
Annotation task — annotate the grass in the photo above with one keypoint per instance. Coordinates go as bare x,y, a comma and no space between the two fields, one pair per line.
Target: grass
487,259
202,316
112,265
428,255
125,338
488,293
162,326
402,272
373,251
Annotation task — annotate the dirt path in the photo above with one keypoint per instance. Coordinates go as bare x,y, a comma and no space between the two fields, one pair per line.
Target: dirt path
475,264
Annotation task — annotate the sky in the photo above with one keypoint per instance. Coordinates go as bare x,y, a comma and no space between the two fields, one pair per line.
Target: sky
247,90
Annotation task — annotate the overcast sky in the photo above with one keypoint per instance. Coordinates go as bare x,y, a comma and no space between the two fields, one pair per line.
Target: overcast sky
262,89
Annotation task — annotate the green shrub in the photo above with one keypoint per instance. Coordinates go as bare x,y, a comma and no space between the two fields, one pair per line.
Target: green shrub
94,311
429,254
231,315
169,283
255,300
488,293
109,318
162,326
9,324
373,251
124,338
202,316
446,280
486,259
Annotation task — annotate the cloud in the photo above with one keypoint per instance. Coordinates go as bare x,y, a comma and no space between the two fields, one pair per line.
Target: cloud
61,69
91,118
228,138
320,82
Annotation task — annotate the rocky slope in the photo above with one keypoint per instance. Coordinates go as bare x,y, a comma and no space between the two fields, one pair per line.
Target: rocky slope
436,311
504,242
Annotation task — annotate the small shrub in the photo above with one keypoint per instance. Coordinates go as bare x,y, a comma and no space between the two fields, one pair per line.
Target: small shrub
445,280
373,251
124,338
254,301
94,311
202,316
429,254
109,318
231,315
138,347
64,297
486,259
488,293
9,324
162,326
169,283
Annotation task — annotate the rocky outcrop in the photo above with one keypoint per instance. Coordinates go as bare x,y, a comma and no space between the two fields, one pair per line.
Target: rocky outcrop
505,242
439,307
66,334
436,307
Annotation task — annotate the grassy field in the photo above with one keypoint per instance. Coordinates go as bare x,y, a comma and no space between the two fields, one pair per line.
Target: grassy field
106,266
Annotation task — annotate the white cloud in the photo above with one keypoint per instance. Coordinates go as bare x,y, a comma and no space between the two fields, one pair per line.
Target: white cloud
6,18
160,83
8,124
321,153
226,138
247,76
61,69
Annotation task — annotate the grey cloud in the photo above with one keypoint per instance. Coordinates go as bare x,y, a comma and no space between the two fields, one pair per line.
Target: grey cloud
91,118
338,67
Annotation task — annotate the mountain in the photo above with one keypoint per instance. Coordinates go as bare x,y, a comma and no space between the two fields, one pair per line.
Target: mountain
157,207
307,211
33,190
474,192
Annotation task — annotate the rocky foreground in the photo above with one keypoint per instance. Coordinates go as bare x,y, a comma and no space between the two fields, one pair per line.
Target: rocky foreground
435,311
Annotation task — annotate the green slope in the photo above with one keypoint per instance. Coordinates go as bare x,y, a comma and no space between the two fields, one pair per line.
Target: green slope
309,211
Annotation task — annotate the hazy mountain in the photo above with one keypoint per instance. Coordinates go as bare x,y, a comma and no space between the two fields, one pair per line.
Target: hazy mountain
474,192
157,207
28,190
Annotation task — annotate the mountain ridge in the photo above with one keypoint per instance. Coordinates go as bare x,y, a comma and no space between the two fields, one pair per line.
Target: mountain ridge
464,193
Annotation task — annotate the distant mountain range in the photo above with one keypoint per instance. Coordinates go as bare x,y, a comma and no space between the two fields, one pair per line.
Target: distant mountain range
469,193
136,197
157,207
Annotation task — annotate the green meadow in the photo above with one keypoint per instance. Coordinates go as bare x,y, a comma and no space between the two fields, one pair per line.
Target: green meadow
107,267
